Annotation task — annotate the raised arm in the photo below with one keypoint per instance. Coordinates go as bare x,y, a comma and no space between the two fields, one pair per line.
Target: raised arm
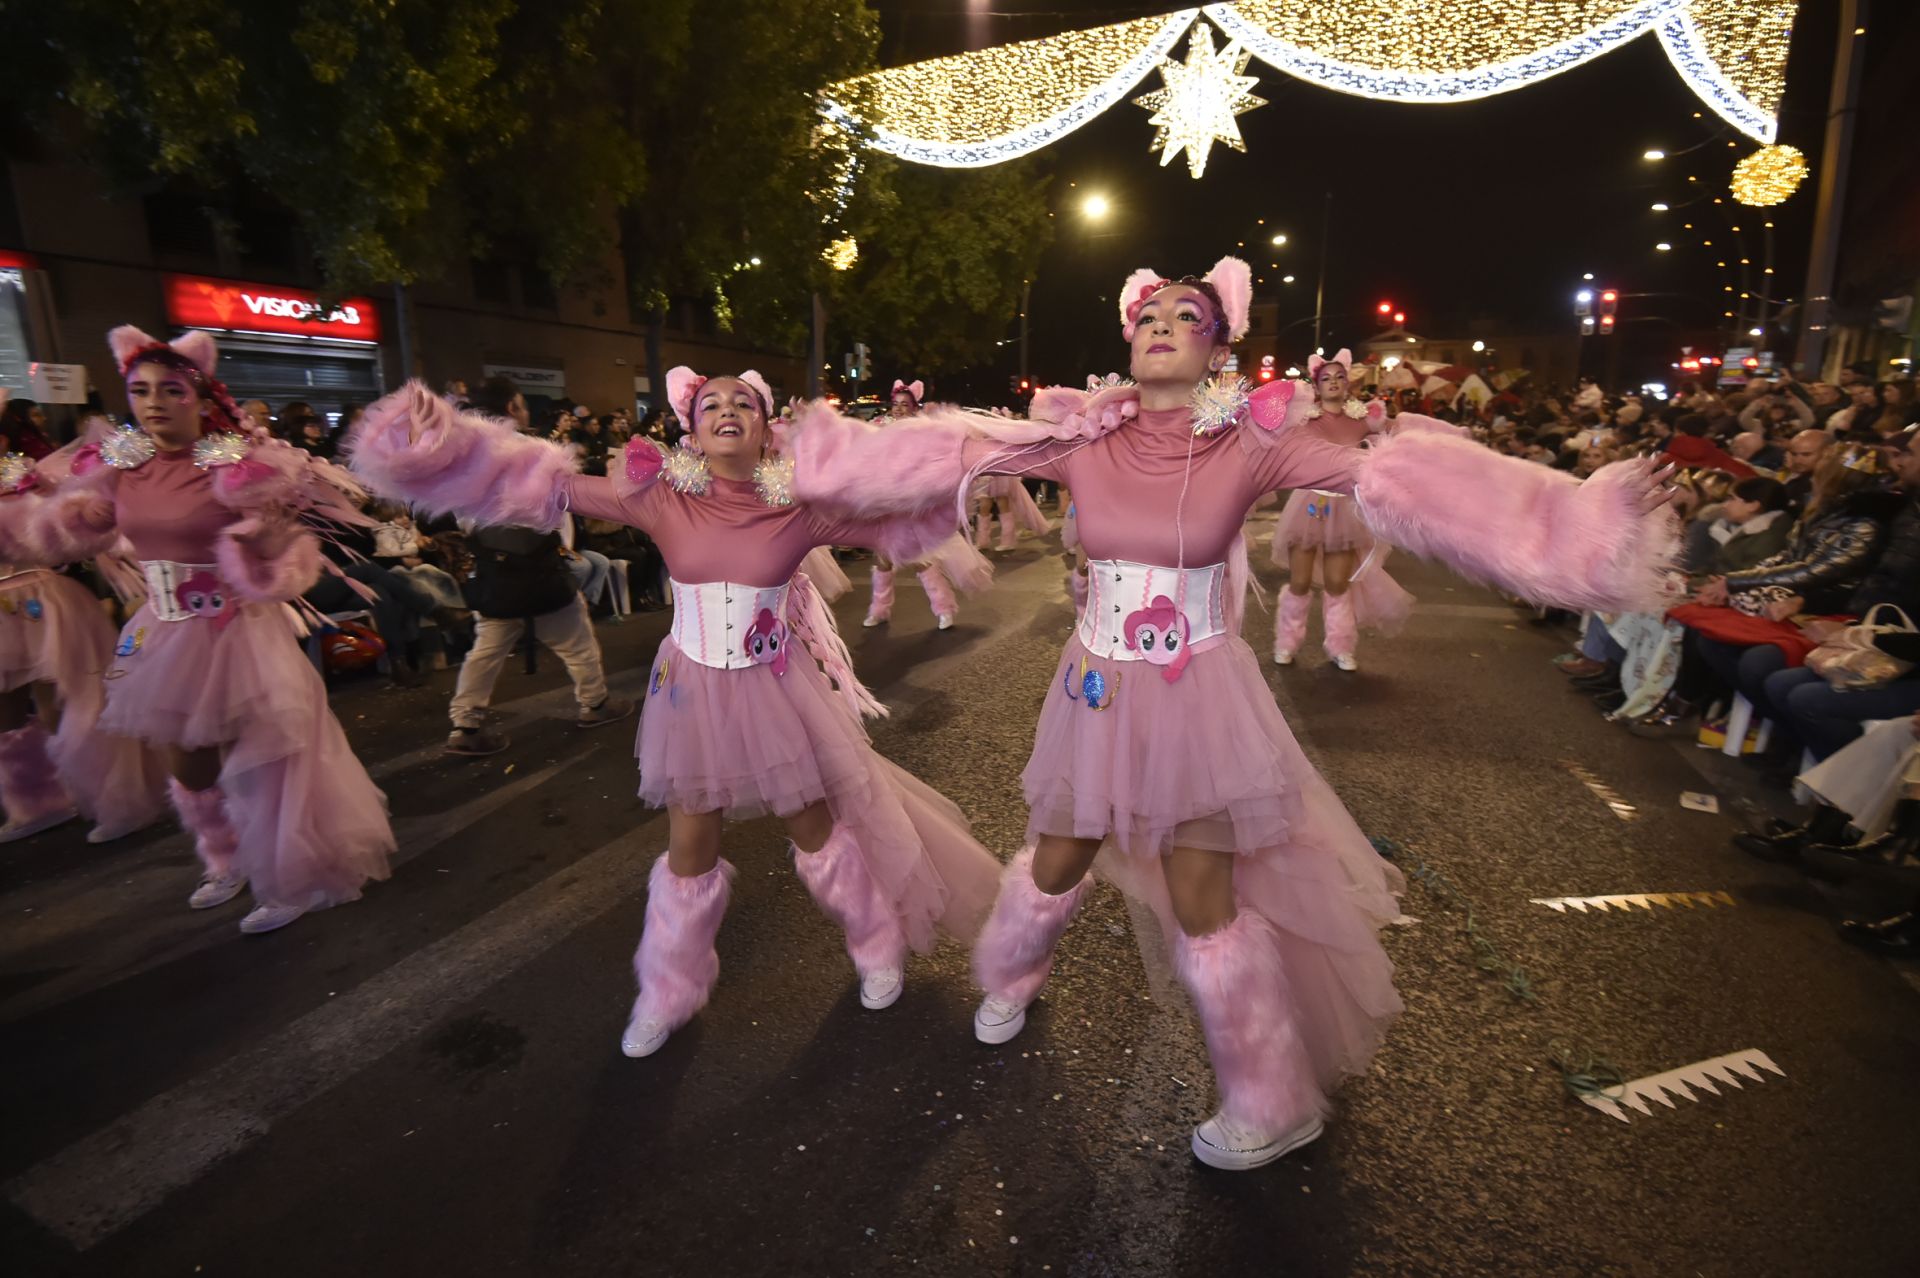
629,493
43,525
412,446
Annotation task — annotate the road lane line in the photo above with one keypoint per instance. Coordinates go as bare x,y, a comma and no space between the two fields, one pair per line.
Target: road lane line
105,1181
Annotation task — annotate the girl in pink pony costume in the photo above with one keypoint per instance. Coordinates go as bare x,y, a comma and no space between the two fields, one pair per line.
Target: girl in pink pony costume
210,669
1184,782
1321,538
736,723
55,643
935,578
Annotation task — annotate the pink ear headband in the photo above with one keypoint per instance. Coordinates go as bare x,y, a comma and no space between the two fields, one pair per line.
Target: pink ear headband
916,389
1230,277
1343,357
684,386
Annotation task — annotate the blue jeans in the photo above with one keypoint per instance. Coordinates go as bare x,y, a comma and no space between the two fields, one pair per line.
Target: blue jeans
1744,669
589,573
1598,645
1825,718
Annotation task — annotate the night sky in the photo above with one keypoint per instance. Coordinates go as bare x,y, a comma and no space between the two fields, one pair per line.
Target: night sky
1490,209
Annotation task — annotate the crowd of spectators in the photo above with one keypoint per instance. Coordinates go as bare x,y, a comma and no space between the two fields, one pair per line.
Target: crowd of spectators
1797,629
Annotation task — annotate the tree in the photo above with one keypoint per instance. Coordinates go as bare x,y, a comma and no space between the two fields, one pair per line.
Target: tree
941,267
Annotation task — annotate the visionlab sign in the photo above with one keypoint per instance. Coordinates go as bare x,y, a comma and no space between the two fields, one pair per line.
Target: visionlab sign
198,302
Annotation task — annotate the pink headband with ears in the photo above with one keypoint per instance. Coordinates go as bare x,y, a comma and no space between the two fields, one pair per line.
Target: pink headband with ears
1344,358
916,389
683,387
1230,277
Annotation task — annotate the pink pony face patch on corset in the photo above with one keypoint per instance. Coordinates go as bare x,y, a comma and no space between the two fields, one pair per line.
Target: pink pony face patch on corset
205,596
1158,632
767,641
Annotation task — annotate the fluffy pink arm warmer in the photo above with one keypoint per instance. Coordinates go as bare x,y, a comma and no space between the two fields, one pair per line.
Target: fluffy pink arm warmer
45,530
1535,532
412,446
852,468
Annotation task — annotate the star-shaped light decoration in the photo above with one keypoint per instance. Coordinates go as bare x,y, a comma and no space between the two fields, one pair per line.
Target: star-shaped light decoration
1201,98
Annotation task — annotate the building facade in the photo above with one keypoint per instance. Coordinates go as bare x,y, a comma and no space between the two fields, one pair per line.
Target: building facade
76,260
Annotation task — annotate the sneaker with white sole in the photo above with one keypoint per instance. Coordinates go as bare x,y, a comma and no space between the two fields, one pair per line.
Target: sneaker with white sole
25,829
270,918
1283,656
216,889
644,1037
998,1020
1221,1142
946,620
104,833
1345,661
881,988
610,710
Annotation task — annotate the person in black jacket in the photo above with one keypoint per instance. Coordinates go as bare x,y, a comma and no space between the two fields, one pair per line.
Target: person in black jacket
521,580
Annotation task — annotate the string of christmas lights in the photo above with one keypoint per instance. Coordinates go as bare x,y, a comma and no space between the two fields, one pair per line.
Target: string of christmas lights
995,104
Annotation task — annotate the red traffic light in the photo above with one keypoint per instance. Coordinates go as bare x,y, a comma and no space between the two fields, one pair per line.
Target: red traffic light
1606,323
1385,308
1399,317
1609,296
1266,373
1025,384
1751,362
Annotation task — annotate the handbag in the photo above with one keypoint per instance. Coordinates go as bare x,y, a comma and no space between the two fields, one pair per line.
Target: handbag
1852,660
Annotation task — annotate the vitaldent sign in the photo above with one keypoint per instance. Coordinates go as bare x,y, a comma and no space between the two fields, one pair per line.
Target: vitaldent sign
197,302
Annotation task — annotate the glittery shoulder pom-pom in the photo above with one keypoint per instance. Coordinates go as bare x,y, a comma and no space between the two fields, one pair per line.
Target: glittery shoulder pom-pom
1218,403
16,472
127,447
774,478
687,472
220,448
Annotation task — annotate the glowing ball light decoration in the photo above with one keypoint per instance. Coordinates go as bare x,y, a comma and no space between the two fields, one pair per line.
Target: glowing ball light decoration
1769,175
985,107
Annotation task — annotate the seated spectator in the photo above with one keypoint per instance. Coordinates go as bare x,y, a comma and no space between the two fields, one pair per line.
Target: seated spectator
1759,452
590,435
1739,624
23,429
1805,451
258,415
1691,447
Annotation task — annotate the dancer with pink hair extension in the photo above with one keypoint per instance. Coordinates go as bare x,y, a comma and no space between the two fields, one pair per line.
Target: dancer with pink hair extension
1321,537
736,723
905,402
210,669
1160,753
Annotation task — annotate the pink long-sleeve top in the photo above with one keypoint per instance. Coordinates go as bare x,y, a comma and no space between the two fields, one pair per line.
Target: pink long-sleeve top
725,534
1136,499
167,509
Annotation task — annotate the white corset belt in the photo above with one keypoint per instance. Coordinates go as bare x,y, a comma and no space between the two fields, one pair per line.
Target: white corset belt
1133,609
184,592
721,623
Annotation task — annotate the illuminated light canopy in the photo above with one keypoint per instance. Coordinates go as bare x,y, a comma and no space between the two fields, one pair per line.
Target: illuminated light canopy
842,253
1201,98
995,104
1769,175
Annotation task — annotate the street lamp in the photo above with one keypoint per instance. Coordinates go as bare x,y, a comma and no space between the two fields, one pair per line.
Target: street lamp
1286,279
1095,207
1663,247
1654,155
1660,208
1278,240
1479,345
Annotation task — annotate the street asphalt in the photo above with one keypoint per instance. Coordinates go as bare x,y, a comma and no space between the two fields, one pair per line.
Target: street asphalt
429,1080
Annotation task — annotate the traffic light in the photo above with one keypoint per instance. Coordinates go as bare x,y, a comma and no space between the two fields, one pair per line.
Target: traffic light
1399,317
1583,302
1606,325
1013,381
1025,385
1609,303
1266,368
1586,326
1385,308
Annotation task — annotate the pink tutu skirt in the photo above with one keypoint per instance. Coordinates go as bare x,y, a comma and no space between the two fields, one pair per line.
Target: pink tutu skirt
1208,762
1017,506
53,631
750,743
312,825
1335,524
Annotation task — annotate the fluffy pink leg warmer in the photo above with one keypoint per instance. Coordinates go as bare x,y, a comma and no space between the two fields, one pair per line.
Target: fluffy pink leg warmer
1290,631
204,814
1343,631
882,606
1009,531
837,877
1014,955
28,786
676,962
982,528
939,592
1240,991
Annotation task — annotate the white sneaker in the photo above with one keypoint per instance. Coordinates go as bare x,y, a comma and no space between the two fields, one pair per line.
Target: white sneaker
644,1037
998,1020
946,620
216,889
1346,662
871,621
59,816
1230,1146
269,918
882,988
104,833
1283,656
